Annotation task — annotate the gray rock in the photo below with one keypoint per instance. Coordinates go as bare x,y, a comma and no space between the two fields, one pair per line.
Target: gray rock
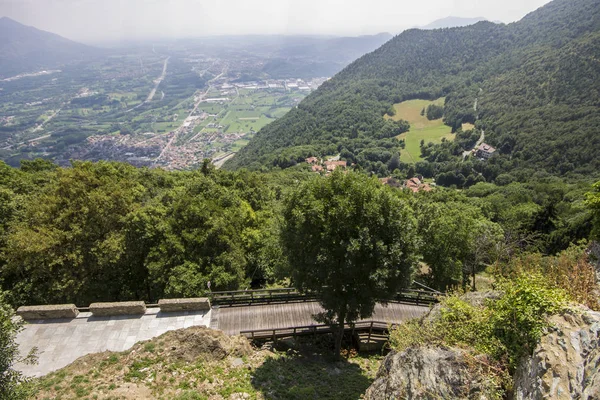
122,308
428,373
564,365
566,362
194,304
237,362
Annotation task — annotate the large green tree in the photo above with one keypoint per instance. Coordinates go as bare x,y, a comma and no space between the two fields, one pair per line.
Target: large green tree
350,241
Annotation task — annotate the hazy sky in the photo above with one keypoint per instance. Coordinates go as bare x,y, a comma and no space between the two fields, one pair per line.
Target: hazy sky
93,21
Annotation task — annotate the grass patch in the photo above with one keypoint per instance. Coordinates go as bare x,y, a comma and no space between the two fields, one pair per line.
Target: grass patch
420,127
304,376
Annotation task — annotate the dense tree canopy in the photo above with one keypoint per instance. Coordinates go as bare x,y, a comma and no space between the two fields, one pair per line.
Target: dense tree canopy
457,240
109,231
593,202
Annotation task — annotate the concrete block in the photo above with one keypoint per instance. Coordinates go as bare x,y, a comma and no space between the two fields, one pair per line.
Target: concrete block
121,308
48,312
194,304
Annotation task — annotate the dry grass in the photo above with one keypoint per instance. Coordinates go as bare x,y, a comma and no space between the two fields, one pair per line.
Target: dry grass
570,270
202,364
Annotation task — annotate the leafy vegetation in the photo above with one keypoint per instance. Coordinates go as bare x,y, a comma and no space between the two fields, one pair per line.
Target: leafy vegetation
593,202
12,382
503,329
109,231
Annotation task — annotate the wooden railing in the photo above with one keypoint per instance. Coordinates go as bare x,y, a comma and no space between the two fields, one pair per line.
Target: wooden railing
418,297
369,327
262,296
240,297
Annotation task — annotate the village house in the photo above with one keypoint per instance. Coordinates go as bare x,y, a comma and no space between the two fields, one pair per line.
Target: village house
416,185
485,151
317,168
312,160
332,165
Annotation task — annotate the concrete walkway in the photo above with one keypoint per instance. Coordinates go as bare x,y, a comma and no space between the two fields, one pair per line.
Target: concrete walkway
60,342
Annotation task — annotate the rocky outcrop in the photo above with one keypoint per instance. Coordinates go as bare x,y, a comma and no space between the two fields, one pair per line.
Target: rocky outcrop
564,365
430,373
566,362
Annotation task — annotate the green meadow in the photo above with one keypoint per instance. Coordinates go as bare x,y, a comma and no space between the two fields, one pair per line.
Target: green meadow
420,127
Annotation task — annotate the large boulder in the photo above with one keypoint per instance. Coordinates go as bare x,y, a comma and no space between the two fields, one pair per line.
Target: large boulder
430,373
566,362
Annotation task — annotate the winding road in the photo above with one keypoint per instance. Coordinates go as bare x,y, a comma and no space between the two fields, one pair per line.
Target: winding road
466,153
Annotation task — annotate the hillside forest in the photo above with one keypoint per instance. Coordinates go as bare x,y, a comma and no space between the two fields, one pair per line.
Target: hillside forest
111,232
530,87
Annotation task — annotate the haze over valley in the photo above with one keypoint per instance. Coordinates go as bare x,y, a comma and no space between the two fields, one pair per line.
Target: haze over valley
299,199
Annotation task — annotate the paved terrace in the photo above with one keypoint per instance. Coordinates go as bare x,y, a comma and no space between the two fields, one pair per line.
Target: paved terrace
60,342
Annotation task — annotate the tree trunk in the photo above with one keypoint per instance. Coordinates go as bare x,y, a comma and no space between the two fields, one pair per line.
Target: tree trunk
339,334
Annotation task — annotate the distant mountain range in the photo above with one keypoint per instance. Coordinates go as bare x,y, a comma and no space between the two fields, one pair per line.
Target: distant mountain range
452,22
26,49
300,56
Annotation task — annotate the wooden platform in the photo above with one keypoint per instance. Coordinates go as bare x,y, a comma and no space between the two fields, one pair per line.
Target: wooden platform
232,320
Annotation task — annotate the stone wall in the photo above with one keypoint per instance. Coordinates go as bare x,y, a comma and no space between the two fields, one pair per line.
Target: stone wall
175,305
56,311
122,308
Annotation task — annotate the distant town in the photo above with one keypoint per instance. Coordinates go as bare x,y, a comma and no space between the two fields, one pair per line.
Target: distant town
148,109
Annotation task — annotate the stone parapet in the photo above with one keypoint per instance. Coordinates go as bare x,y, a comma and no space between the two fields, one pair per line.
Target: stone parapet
121,308
55,311
175,305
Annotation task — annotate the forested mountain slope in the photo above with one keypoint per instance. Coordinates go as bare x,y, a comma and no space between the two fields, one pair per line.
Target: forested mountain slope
535,81
25,49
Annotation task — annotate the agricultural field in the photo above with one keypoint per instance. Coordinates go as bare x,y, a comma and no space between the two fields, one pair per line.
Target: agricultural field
420,127
124,108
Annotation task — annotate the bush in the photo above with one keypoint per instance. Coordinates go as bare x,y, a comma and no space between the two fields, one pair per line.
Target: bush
12,382
570,270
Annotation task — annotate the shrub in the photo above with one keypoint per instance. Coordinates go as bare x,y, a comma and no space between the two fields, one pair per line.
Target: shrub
570,270
503,329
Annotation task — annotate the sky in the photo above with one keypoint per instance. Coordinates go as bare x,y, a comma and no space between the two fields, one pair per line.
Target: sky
103,21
